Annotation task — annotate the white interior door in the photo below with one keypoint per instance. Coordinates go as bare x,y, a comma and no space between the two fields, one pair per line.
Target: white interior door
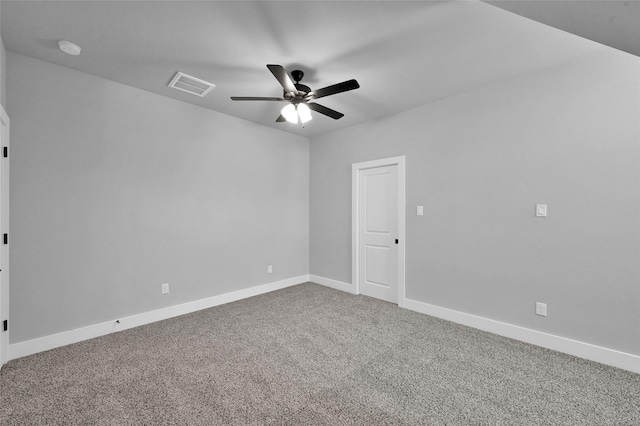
4,228
378,232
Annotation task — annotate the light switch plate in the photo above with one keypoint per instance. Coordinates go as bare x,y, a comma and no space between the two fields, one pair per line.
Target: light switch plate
420,211
541,210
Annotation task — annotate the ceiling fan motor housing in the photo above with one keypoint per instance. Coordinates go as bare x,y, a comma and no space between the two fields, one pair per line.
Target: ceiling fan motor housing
303,90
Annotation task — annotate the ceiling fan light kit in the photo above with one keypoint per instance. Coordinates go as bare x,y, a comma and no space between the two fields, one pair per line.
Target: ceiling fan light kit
304,113
300,96
292,113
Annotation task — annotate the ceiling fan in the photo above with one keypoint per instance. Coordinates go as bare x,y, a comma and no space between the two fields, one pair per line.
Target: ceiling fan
300,96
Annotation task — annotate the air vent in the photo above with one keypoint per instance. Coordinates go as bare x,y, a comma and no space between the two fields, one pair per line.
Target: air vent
190,84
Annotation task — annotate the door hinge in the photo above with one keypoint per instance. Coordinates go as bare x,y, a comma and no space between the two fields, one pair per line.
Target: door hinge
5,152
5,325
6,238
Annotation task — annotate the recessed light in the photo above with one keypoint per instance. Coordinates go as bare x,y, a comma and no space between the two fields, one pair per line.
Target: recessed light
70,48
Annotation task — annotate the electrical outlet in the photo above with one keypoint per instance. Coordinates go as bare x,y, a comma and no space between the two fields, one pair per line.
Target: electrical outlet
541,309
269,269
541,210
165,288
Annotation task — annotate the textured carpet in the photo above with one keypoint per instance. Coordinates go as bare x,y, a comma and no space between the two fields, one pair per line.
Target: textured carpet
309,355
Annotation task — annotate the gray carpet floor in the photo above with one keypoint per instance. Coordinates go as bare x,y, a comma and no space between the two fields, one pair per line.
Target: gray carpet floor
310,355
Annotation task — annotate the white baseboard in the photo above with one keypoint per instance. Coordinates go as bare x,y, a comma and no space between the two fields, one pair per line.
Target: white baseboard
328,282
561,344
584,350
40,344
588,351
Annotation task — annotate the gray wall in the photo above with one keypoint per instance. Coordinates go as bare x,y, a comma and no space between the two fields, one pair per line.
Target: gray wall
115,191
3,70
568,137
3,75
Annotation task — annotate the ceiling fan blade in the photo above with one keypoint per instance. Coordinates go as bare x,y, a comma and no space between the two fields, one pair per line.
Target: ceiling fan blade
336,88
281,75
326,111
280,119
253,98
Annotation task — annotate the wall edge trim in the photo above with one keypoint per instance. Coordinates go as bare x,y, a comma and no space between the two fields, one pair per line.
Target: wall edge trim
335,284
565,345
52,341
611,357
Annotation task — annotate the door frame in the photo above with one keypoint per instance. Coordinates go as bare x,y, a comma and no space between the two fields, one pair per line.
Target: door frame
4,229
356,168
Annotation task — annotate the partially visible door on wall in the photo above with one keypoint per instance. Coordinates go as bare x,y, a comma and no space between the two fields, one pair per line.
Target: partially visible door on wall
378,227
4,229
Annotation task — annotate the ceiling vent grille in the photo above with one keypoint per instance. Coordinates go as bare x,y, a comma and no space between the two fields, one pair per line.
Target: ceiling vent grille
190,84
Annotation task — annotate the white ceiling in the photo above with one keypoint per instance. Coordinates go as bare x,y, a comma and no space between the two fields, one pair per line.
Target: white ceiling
403,54
614,23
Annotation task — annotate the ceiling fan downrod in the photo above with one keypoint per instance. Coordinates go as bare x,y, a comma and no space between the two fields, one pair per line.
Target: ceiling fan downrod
297,75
